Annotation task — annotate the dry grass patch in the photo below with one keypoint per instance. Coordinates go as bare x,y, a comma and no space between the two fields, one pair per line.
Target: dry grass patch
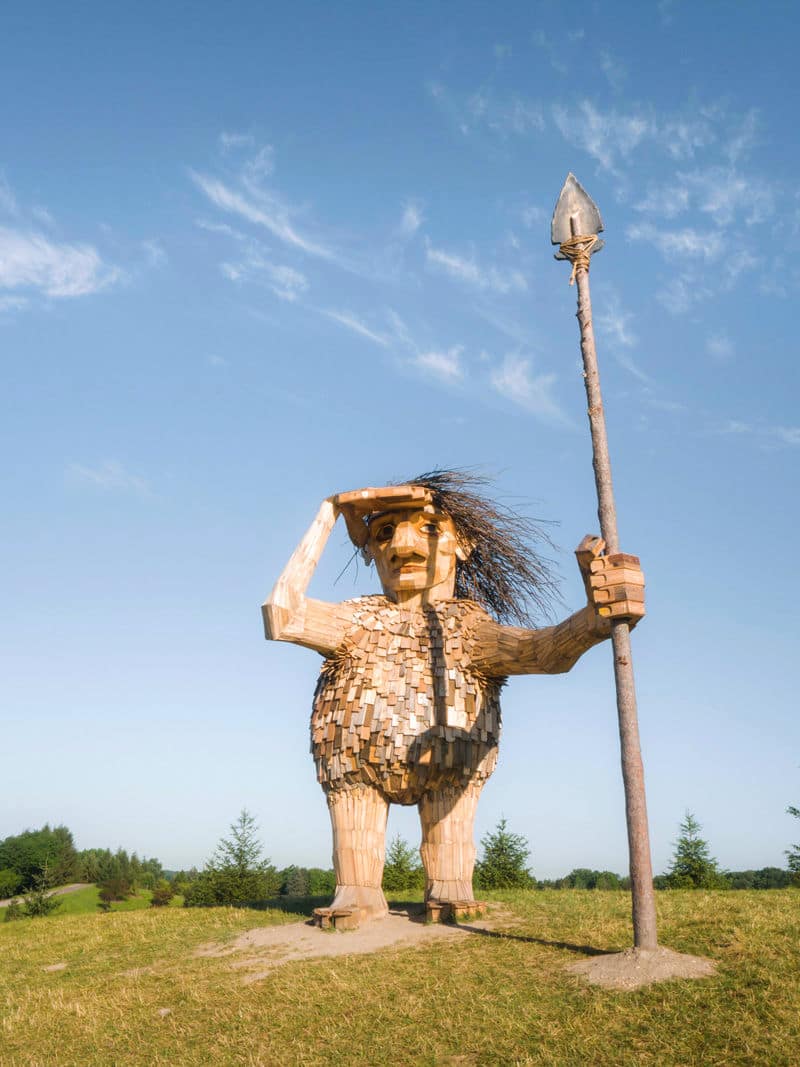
134,992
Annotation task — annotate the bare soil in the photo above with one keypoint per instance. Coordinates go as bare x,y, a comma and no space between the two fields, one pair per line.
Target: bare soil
265,948
634,968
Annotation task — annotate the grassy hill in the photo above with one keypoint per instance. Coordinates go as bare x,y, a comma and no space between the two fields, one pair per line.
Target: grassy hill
130,990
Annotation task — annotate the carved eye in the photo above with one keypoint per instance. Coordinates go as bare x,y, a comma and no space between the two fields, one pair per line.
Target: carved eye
430,529
385,532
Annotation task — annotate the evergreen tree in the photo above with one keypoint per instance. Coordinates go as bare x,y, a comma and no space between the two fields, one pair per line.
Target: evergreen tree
294,882
320,882
793,853
402,870
504,864
236,874
39,901
693,866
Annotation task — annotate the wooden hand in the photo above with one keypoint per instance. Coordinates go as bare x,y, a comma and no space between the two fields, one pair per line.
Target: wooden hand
357,504
614,584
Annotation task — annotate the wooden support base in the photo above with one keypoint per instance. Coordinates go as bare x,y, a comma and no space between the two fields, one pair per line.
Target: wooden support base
337,918
454,911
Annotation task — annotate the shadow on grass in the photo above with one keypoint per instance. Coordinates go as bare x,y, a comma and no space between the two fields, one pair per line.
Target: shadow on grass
416,913
292,905
581,950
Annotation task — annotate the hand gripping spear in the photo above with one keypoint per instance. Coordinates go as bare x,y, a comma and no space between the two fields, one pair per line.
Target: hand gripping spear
576,224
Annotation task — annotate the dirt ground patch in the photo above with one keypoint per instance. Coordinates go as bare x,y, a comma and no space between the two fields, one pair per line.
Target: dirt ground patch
267,947
634,968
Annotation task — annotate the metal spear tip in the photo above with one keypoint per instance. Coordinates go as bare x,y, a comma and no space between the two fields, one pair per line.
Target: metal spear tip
575,213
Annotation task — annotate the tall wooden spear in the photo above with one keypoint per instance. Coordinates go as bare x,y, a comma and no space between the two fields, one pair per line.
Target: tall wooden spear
576,224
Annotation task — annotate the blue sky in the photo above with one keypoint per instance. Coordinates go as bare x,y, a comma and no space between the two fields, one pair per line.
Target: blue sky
251,256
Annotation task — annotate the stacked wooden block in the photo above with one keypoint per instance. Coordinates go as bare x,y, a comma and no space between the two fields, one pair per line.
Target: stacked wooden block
441,911
401,706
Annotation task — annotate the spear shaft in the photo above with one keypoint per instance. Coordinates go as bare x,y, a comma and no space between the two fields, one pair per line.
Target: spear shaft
644,907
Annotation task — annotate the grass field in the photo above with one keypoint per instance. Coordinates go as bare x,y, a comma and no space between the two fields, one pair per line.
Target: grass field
132,992
85,901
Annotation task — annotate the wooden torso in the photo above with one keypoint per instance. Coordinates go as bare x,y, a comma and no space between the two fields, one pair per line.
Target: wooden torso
399,705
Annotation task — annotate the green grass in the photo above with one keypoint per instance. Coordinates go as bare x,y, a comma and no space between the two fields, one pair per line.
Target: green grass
85,901
500,999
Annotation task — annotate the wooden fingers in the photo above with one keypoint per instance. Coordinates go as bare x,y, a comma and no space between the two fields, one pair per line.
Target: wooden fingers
616,586
372,499
588,551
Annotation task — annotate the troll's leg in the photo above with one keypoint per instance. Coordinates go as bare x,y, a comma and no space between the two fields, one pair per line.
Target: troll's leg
358,819
448,851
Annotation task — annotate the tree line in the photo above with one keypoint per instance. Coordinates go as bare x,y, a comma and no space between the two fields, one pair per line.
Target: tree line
25,857
237,873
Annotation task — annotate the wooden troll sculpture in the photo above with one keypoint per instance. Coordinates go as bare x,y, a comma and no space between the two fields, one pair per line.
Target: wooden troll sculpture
407,707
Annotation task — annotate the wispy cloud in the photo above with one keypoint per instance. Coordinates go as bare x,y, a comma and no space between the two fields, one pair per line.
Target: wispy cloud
269,213
724,194
8,202
254,266
107,476
221,227
154,253
614,70
664,201
608,137
616,324
28,260
515,380
743,138
684,137
688,242
42,215
505,116
729,196
412,219
553,51
259,167
484,110
352,322
443,365
720,347
666,10
467,269
768,434
229,141
532,215
12,303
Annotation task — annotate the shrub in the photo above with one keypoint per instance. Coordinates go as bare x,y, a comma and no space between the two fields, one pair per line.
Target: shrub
402,870
163,892
504,864
13,912
10,882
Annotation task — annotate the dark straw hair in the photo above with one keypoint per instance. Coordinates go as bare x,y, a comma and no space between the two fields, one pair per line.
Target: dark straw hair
503,572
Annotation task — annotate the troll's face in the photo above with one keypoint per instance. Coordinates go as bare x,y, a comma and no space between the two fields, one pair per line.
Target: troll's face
415,550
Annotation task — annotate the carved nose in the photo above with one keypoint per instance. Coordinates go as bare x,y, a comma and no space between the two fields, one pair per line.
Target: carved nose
405,539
